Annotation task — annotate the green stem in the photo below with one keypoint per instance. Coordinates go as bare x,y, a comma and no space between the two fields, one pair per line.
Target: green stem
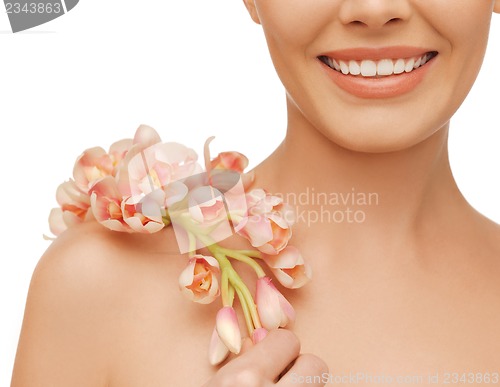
250,253
240,286
243,258
166,220
246,312
192,244
226,299
231,294
229,275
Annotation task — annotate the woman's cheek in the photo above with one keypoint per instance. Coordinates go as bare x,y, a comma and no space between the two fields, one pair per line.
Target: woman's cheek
464,20
294,22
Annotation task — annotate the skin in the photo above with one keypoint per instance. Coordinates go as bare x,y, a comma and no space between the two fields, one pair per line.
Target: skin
411,290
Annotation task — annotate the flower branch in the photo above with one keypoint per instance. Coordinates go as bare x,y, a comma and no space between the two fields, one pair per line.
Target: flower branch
143,185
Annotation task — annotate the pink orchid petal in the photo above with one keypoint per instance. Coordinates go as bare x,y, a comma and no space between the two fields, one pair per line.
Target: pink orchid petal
91,165
288,315
288,214
272,200
56,222
196,214
146,136
136,223
121,146
89,216
268,249
268,304
142,171
70,218
234,161
181,159
104,197
257,230
206,207
206,154
153,205
228,329
123,178
137,167
116,225
118,150
274,309
211,260
201,271
248,179
253,197
217,350
175,192
186,276
174,153
278,219
288,258
259,334
69,193
289,267
279,240
300,278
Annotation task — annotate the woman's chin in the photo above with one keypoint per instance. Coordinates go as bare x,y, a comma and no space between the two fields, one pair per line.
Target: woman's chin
374,142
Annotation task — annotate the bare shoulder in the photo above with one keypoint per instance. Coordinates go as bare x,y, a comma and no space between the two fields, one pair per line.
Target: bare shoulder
84,287
484,254
495,236
491,240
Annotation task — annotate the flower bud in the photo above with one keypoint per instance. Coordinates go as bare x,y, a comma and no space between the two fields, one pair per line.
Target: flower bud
289,267
228,329
259,334
274,309
217,350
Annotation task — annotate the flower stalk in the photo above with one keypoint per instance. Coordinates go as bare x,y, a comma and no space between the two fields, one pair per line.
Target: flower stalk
143,185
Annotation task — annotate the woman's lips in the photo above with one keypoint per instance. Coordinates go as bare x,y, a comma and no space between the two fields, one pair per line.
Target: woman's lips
378,73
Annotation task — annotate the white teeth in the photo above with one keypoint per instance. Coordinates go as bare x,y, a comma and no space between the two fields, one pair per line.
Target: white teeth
354,68
399,67
417,63
344,68
384,67
368,68
409,65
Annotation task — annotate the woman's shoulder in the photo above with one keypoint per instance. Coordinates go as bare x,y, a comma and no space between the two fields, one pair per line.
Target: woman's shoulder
87,283
99,265
490,237
479,241
86,247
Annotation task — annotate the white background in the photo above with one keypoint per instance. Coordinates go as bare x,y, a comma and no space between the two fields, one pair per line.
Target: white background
190,69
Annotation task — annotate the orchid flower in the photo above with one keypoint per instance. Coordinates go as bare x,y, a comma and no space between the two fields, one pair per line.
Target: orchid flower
289,267
199,280
143,185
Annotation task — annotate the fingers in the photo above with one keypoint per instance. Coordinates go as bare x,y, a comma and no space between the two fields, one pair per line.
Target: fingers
273,354
308,370
260,365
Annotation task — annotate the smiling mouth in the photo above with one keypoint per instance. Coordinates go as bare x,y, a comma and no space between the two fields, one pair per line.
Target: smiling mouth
378,68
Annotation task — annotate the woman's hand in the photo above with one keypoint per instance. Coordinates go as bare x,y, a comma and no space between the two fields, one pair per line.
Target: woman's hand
262,364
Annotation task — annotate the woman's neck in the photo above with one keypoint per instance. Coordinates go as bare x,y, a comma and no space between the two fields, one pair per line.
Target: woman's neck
363,203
